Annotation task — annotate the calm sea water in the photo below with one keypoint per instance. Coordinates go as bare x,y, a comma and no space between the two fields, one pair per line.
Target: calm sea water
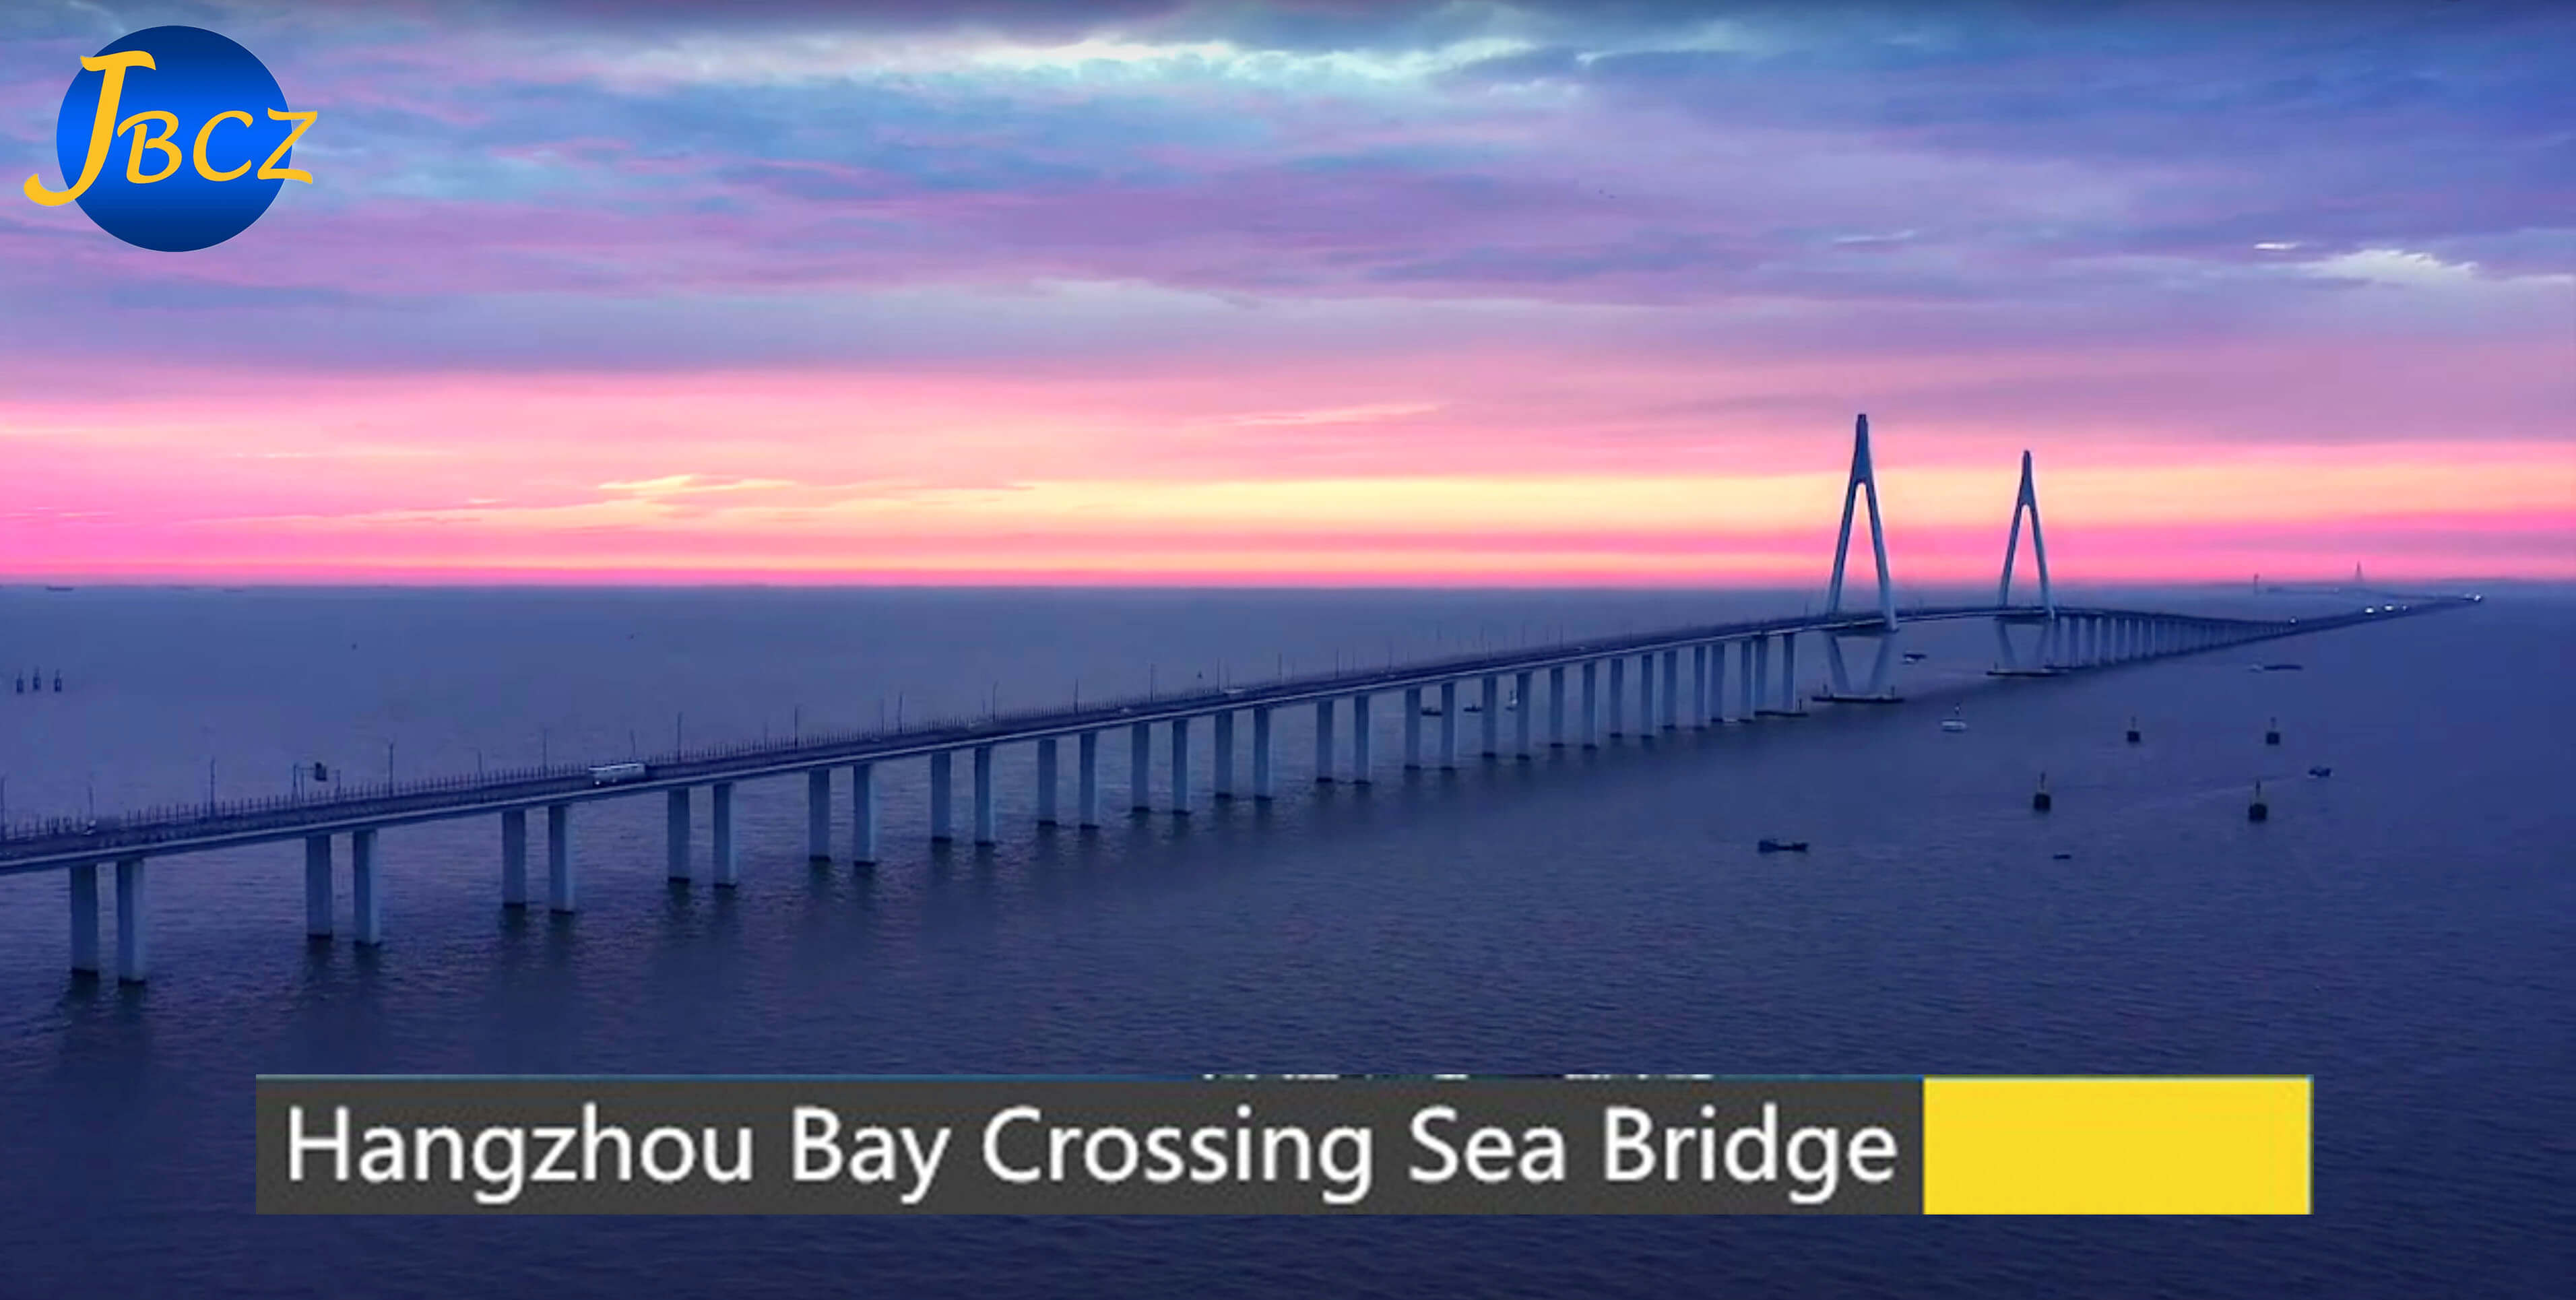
2401,930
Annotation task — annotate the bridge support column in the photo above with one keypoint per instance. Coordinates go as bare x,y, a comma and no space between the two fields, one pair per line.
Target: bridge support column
1591,703
1762,687
1086,780
1262,753
1748,688
1524,711
1412,728
818,815
133,923
1619,697
1493,719
675,834
1672,700
726,860
1699,686
1140,767
563,892
1180,767
1789,672
1047,781
366,901
1646,694
1223,786
1555,707
317,887
942,774
514,857
1362,739
1323,742
1717,684
1448,726
863,814
84,891
983,768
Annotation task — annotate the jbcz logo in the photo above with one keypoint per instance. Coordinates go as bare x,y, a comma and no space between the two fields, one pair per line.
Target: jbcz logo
209,139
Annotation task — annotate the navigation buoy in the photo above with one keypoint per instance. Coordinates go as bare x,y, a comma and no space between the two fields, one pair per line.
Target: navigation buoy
2272,732
2039,800
2258,811
2133,729
58,683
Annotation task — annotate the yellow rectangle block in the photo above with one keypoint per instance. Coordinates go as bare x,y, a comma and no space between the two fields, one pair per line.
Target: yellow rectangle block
2116,1146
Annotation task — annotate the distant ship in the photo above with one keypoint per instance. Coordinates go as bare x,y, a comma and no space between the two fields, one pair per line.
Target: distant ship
1914,656
51,587
1954,722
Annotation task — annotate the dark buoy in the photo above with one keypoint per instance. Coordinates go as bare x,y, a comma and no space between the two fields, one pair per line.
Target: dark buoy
2133,729
2272,732
2258,811
2061,857
58,683
2039,800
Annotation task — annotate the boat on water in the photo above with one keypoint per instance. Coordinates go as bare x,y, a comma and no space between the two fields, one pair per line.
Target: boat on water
1914,656
2321,771
51,587
1954,722
1783,846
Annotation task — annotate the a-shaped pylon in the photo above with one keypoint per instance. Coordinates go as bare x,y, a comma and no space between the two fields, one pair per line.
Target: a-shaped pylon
1864,482
2026,499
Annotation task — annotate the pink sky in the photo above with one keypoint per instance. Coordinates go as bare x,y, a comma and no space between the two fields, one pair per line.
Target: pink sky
657,312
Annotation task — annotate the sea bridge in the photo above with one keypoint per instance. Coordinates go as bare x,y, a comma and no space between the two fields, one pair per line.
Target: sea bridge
1604,688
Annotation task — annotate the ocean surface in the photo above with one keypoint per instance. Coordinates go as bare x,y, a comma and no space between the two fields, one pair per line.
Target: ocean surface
2403,930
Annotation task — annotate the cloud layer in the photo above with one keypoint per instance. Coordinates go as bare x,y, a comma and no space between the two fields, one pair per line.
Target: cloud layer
1001,289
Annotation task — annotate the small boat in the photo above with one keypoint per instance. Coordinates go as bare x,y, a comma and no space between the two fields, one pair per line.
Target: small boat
1954,722
1914,656
2321,771
1783,846
2283,668
51,587
1471,708
2061,857
1431,710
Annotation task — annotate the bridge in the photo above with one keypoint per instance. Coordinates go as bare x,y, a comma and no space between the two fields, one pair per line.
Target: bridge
1675,678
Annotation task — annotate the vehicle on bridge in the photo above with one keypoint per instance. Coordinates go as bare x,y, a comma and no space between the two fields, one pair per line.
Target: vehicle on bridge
614,773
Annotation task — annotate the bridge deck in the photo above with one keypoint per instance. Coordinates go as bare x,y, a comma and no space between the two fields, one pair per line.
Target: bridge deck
227,825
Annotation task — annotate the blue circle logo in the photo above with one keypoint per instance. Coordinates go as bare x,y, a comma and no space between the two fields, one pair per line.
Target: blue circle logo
173,138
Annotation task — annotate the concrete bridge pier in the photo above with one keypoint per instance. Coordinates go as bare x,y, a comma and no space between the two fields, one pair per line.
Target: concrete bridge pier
985,832
1412,728
514,860
366,901
1717,684
1222,787
1525,709
818,815
675,834
1493,718
726,858
84,888
1262,754
1180,767
941,777
133,923
1748,681
863,813
1555,707
1047,781
1591,703
1140,767
563,893
1323,742
317,888
1449,726
1761,673
1672,700
1699,687
1363,740
1086,781
1619,696
1646,694
1789,673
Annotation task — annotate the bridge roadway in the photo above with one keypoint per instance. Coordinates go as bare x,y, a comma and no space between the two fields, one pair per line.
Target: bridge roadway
227,826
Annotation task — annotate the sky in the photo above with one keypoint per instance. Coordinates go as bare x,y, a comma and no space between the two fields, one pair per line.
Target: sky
1137,291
